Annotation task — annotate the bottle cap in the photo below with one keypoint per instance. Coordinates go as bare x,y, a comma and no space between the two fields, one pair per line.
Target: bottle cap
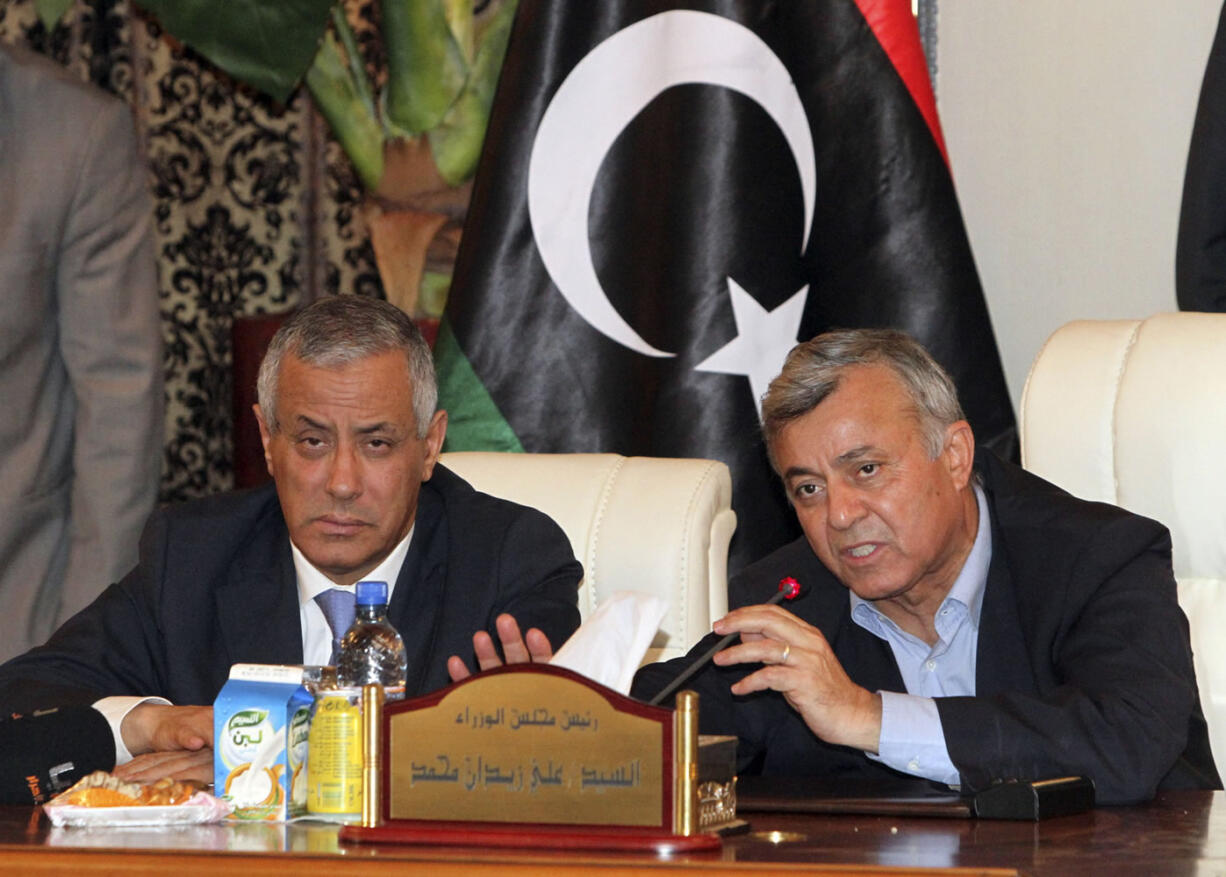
371,593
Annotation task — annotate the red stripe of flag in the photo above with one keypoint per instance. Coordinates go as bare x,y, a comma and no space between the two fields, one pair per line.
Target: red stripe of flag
898,33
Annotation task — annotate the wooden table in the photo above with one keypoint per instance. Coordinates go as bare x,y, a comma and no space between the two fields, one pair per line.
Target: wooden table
1182,833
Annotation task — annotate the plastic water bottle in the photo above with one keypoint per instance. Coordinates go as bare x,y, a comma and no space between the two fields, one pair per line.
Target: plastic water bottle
371,650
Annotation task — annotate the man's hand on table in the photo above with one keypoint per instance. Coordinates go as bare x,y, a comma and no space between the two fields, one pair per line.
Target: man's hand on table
519,649
179,764
158,727
168,741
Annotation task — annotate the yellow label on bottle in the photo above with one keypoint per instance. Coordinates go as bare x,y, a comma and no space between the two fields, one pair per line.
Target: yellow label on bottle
334,761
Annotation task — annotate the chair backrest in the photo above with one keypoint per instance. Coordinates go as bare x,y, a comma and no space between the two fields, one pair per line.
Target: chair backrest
661,526
1133,412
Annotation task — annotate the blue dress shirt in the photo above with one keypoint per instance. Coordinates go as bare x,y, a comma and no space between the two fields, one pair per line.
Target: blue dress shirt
912,740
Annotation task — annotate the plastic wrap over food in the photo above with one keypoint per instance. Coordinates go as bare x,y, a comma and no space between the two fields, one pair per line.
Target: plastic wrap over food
101,799
200,808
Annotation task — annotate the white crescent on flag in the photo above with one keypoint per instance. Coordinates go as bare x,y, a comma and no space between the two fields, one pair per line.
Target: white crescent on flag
600,97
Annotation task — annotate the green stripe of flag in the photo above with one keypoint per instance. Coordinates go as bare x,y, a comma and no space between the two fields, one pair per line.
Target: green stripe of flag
474,422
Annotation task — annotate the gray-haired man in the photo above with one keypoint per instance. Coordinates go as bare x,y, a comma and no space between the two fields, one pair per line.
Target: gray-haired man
966,621
351,437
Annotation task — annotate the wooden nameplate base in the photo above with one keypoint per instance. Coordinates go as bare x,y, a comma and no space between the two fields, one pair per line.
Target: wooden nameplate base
536,756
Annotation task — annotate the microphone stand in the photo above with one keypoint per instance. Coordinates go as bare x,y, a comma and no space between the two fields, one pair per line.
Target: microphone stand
789,589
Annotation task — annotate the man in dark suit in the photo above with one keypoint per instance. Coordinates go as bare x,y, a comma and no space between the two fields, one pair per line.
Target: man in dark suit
965,621
351,437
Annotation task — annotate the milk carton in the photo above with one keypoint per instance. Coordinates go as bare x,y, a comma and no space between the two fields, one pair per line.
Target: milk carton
260,724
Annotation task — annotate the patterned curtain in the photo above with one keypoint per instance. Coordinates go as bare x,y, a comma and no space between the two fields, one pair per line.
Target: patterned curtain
256,210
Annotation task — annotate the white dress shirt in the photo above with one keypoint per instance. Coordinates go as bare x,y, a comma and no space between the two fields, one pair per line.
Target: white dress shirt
316,633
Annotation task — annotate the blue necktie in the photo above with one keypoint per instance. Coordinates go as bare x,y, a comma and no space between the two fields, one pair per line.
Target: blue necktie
337,606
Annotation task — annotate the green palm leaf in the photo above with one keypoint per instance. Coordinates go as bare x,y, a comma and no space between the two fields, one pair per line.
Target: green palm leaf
267,43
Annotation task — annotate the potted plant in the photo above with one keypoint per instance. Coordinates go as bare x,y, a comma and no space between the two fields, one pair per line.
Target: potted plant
414,142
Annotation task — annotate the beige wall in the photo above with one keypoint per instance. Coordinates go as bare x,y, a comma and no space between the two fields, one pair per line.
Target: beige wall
1067,123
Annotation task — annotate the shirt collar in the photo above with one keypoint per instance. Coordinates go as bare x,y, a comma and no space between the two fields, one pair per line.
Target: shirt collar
972,579
312,582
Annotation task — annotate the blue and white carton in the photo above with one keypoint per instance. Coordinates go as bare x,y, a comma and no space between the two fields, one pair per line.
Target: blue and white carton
261,719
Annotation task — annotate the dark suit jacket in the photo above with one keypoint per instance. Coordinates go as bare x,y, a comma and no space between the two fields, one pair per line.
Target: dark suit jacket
216,586
1083,667
1200,246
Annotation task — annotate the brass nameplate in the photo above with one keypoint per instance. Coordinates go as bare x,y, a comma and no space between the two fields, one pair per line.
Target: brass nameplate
540,746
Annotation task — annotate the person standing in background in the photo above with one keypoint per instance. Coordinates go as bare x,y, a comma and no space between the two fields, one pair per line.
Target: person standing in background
80,346
1200,246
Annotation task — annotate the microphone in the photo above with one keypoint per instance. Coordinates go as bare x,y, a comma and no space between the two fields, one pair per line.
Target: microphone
789,589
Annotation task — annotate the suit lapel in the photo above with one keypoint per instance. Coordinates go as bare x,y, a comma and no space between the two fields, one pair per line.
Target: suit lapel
1002,660
257,607
870,659
417,603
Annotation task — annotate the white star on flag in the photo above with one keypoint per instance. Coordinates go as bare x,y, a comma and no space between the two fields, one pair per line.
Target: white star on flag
762,341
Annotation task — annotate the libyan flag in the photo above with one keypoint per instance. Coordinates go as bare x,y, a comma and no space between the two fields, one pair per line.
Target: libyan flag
671,195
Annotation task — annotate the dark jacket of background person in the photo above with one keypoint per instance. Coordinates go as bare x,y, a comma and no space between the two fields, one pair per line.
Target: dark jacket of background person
80,346
1083,663
43,753
1200,247
216,586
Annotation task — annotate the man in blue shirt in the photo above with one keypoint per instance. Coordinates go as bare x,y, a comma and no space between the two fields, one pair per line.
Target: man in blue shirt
965,621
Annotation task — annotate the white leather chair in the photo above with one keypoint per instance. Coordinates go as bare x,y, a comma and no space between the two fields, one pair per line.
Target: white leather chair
1133,412
649,524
